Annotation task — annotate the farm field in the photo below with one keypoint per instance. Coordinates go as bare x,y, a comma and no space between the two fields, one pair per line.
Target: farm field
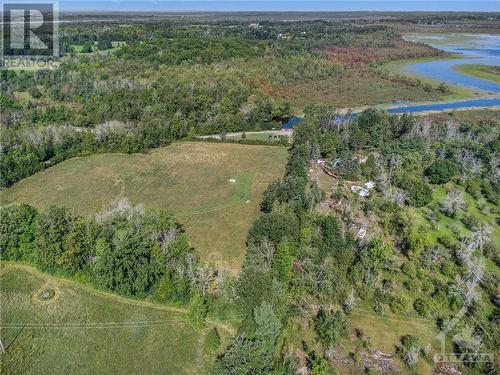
81,331
214,189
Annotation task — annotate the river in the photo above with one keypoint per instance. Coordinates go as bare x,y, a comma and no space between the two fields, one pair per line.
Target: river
481,49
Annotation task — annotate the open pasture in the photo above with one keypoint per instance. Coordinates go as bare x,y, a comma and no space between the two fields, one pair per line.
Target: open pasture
73,329
214,189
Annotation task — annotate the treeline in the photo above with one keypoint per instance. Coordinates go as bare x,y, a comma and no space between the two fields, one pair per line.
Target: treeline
301,262
167,82
263,287
28,150
144,116
126,249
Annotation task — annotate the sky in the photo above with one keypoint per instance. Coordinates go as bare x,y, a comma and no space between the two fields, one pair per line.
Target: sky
281,5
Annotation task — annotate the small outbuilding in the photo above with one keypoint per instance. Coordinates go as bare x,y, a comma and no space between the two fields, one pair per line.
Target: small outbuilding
359,190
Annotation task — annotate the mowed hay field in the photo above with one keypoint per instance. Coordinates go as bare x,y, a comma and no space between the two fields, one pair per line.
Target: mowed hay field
82,331
214,189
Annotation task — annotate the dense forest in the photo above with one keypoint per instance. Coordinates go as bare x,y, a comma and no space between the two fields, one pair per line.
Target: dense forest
129,88
126,249
307,270
421,244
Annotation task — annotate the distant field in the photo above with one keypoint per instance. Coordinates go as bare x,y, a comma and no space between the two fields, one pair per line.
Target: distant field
214,189
81,331
488,72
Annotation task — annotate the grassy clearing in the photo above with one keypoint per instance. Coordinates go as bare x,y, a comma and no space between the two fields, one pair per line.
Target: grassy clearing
382,331
191,179
81,331
487,72
262,136
253,136
385,332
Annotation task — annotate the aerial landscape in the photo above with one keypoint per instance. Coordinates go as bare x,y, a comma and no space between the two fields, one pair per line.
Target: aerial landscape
282,187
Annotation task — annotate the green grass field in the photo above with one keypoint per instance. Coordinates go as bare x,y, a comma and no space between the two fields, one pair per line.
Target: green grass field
83,331
487,72
214,188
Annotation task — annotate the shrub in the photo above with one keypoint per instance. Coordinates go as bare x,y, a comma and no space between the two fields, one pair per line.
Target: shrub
490,191
410,269
422,307
473,187
419,192
492,251
410,349
330,327
412,284
197,312
470,221
417,242
320,366
441,171
400,304
449,268
447,241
